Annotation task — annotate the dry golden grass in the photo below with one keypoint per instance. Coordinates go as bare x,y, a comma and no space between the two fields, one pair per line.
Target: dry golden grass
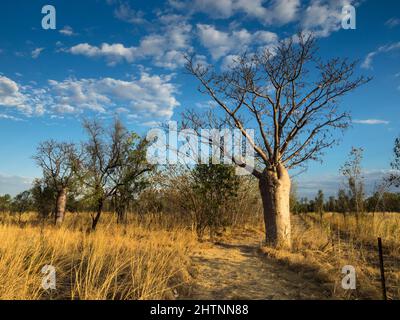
115,262
321,249
150,256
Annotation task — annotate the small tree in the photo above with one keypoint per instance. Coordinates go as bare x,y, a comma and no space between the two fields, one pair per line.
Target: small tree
113,165
5,203
396,150
294,203
393,179
215,186
319,204
21,203
132,176
343,202
352,171
44,198
331,204
59,162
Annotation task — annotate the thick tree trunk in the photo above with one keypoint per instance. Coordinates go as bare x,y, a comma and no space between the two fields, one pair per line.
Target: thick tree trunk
275,191
61,204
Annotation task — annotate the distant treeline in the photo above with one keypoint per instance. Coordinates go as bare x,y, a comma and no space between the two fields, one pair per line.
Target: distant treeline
30,200
343,203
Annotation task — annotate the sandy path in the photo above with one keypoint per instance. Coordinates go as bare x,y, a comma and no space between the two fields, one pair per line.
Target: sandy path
236,270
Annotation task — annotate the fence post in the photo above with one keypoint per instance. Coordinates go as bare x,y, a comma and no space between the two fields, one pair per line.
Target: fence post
383,282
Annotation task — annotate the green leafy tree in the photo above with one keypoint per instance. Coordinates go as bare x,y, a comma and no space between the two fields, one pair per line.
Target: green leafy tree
343,202
330,206
22,203
215,186
132,176
5,203
44,198
113,166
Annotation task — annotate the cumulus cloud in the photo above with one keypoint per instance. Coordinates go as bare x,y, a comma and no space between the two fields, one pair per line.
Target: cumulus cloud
371,121
368,61
221,43
149,96
12,95
322,17
277,11
284,11
165,49
113,52
9,92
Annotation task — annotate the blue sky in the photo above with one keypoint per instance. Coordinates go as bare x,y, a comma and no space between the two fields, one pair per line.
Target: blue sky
110,57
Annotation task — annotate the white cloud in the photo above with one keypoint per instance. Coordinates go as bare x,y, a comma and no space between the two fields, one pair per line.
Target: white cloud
228,61
221,43
392,22
36,53
367,63
11,95
125,13
67,31
323,17
166,50
9,117
371,121
285,11
149,96
113,52
277,11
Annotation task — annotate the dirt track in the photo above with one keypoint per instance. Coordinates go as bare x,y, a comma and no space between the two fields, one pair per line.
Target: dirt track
236,270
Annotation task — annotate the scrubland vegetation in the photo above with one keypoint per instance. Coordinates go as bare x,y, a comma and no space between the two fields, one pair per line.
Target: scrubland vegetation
116,262
150,255
322,248
154,223
116,226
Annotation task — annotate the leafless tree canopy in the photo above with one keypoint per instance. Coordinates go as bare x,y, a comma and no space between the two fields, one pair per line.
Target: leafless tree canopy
59,161
287,93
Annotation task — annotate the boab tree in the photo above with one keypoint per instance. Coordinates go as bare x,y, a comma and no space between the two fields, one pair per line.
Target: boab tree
59,161
291,97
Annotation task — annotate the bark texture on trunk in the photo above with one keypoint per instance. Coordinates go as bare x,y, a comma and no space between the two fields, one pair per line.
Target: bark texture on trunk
275,191
61,205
